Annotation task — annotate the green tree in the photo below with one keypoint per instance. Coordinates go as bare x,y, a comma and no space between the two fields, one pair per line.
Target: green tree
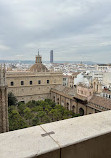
35,121
12,100
41,114
16,121
21,107
28,115
36,113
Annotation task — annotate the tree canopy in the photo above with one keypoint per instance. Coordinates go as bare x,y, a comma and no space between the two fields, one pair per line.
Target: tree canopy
12,100
35,113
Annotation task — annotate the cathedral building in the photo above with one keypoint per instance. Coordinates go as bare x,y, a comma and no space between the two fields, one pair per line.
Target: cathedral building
34,84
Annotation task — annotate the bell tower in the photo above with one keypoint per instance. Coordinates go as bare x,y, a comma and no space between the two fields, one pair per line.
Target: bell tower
4,126
38,58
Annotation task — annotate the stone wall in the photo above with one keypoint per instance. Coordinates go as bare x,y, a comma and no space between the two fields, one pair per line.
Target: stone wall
34,91
3,109
70,103
85,91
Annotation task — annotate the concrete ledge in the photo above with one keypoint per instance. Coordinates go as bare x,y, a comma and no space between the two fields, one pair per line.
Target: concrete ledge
27,143
97,147
83,137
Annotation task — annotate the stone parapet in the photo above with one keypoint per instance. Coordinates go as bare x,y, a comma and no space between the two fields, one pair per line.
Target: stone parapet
87,136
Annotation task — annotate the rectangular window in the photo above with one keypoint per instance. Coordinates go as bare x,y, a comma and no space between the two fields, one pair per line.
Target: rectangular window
47,81
39,81
30,82
22,82
11,83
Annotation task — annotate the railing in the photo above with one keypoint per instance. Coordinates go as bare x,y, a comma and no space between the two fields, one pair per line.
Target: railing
83,137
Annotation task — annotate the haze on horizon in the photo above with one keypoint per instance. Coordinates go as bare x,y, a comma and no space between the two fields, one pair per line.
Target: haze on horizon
75,30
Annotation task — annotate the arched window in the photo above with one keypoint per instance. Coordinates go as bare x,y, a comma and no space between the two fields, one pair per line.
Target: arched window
81,111
67,106
54,98
57,100
47,81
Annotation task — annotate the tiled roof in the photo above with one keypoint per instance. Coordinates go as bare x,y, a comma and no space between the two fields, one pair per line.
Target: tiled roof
95,102
101,102
38,67
66,90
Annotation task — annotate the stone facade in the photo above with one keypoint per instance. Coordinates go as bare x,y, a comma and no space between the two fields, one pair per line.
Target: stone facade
3,102
80,100
85,91
76,105
34,84
68,80
97,86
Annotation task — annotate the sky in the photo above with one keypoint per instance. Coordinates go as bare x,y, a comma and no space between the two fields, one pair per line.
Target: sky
77,30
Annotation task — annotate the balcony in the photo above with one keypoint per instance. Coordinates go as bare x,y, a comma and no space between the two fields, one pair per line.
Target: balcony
83,137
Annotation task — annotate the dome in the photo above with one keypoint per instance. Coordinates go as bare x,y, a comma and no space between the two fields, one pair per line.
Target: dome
38,67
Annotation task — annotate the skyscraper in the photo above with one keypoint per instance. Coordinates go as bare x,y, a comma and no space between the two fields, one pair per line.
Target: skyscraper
51,56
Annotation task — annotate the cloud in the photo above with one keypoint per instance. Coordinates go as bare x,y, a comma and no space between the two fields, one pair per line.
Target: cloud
4,48
76,30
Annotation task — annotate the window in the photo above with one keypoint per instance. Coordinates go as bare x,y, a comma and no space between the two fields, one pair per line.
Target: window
54,98
30,82
67,107
39,81
22,82
22,101
73,107
47,81
11,83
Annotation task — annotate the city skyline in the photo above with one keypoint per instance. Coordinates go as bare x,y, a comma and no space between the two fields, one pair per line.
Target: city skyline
75,30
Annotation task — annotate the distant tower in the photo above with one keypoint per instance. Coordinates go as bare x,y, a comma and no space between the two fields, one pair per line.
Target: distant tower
51,56
38,58
3,102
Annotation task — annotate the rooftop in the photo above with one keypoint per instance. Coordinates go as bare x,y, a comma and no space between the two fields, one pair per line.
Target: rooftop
104,102
65,90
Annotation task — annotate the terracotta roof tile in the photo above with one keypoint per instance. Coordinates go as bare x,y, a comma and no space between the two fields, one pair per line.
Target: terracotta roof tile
101,102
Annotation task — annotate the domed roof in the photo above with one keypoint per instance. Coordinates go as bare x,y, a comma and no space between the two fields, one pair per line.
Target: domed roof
38,67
